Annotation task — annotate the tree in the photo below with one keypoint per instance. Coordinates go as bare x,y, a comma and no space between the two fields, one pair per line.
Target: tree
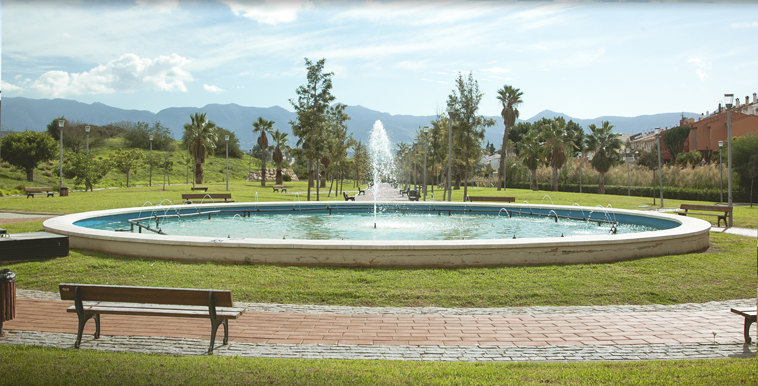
311,107
752,172
200,138
674,140
167,165
234,142
606,145
127,161
86,171
690,158
138,135
74,134
518,131
280,139
743,149
468,128
261,127
360,161
557,144
530,151
27,149
510,98
337,140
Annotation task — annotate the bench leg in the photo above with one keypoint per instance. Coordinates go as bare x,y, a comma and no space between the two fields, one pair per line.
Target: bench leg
82,321
226,331
214,329
748,322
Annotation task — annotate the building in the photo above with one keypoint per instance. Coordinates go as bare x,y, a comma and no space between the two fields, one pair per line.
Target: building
708,130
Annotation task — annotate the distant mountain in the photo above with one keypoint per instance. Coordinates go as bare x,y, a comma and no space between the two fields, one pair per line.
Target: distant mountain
34,114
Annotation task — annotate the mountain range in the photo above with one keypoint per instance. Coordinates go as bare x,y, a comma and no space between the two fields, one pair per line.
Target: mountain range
34,114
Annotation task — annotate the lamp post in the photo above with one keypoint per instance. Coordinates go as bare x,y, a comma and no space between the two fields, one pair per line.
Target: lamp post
721,170
729,99
150,182
660,171
415,157
61,123
426,143
86,129
250,162
449,154
628,178
226,138
581,159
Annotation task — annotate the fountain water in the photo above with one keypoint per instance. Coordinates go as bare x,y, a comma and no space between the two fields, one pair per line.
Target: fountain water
382,160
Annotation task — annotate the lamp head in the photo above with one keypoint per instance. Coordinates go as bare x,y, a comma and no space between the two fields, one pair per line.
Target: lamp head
226,138
86,129
151,137
721,144
61,123
657,131
728,100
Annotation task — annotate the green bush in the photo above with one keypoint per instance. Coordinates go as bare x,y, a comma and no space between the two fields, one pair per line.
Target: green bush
286,178
669,192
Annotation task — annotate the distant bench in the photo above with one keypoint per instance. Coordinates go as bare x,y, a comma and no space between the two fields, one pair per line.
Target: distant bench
708,208
348,198
203,188
31,192
277,188
361,191
188,197
490,198
750,318
215,305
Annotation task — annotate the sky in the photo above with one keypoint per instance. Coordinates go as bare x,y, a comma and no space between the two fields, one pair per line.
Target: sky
584,59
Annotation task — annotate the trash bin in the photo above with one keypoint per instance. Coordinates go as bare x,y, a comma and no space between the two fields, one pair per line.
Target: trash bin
64,191
7,296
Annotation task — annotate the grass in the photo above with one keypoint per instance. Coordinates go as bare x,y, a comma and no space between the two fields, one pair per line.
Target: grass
34,365
726,272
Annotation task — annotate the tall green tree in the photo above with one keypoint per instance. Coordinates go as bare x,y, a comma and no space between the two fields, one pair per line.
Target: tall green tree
361,162
468,127
27,149
87,171
200,137
557,145
337,140
138,135
531,154
510,98
311,108
127,162
674,140
262,127
280,139
606,145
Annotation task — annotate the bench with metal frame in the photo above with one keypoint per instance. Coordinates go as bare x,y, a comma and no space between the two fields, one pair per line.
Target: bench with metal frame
750,318
277,188
490,199
712,208
91,301
361,191
413,195
31,192
203,188
188,197
348,198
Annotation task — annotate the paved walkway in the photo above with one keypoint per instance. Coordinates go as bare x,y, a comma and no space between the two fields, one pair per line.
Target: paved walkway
506,334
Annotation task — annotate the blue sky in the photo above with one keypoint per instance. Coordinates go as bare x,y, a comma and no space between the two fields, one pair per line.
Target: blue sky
583,59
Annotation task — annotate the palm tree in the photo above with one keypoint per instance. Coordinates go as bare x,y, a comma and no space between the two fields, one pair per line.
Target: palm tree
557,144
200,134
261,127
606,145
281,144
510,98
530,152
402,150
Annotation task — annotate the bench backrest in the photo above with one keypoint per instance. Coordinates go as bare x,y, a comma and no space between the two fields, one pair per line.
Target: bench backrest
38,189
495,199
706,207
157,295
190,196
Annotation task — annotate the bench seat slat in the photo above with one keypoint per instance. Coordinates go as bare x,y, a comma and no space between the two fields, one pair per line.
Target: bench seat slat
221,312
126,294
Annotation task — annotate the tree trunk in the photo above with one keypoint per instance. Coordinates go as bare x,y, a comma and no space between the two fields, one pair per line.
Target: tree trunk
465,180
555,179
534,186
601,185
279,177
198,173
127,179
30,174
310,177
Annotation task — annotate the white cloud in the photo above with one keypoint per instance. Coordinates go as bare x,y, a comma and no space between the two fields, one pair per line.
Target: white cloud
127,73
212,88
269,12
745,25
701,74
701,65
497,70
9,87
159,5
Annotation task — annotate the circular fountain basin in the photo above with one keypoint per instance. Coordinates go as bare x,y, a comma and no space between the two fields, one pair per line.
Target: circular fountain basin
672,235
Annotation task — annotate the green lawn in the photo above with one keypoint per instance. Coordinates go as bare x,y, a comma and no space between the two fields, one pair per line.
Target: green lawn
35,366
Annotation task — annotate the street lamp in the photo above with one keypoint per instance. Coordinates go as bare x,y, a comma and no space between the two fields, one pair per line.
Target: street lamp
415,156
86,129
660,171
450,112
628,178
150,183
729,99
226,138
61,123
721,169
250,162
426,143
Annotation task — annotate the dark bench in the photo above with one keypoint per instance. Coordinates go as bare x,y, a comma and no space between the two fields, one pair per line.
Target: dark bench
750,318
277,188
708,208
203,188
31,192
188,197
361,191
413,195
348,198
490,198
216,305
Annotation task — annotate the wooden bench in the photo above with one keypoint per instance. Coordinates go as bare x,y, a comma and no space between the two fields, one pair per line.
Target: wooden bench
277,188
750,318
413,195
348,198
490,198
708,208
203,188
31,192
361,191
188,197
216,305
